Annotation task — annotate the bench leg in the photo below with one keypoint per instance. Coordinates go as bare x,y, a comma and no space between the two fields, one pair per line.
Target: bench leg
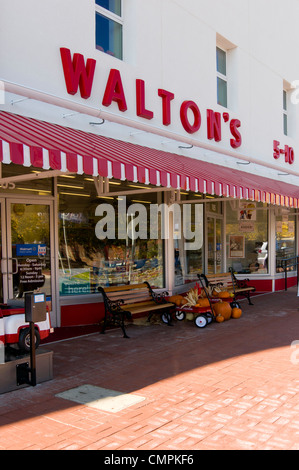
104,325
247,295
149,317
119,321
124,332
127,315
249,299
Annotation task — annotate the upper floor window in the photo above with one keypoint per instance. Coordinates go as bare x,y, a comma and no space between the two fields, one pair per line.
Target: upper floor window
221,77
285,112
109,27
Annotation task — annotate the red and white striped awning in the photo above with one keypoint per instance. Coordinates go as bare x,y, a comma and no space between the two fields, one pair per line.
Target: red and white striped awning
29,142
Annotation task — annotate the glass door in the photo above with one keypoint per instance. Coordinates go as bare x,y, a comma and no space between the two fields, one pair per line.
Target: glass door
26,256
214,245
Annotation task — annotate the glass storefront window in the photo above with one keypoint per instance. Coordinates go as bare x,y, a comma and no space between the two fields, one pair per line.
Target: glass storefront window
285,240
188,242
105,241
247,237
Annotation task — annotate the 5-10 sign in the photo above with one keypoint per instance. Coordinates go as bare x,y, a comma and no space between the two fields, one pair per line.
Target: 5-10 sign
287,151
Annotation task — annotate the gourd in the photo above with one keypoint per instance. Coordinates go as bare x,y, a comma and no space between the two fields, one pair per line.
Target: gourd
219,318
224,309
236,312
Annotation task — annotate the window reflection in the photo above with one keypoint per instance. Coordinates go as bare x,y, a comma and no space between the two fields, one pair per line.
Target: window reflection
108,36
85,260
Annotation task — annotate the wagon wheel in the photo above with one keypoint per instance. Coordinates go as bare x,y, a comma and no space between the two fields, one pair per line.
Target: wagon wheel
166,317
180,315
235,304
210,317
201,321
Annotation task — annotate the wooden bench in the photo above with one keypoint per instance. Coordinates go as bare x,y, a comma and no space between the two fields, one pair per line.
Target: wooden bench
123,302
229,282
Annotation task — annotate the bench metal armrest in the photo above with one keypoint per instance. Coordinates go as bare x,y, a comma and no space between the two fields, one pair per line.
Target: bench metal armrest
111,305
158,297
242,283
114,305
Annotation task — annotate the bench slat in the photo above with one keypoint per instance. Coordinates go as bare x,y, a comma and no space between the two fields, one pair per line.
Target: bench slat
124,288
150,308
127,297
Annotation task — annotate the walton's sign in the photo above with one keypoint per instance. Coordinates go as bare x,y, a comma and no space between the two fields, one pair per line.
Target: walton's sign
80,75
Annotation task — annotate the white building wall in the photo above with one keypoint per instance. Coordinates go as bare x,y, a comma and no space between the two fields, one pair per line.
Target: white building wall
170,44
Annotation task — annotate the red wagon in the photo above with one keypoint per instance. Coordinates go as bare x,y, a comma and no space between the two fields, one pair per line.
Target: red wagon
203,316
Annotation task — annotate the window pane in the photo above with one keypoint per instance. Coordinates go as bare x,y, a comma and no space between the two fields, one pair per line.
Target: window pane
285,124
285,240
108,36
284,100
222,92
221,61
111,5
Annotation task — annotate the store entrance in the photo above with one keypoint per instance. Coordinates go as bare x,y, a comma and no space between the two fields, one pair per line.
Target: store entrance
26,254
215,245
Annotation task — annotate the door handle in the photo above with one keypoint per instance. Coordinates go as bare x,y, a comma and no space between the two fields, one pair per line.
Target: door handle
10,260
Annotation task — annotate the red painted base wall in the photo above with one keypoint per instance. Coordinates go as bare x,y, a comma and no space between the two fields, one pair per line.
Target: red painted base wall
85,314
280,283
90,314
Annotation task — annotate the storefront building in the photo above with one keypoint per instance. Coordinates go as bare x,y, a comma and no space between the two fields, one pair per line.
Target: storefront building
132,153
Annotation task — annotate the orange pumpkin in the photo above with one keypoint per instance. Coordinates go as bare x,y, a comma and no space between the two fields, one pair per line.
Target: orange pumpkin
203,303
224,309
224,295
176,299
219,318
236,312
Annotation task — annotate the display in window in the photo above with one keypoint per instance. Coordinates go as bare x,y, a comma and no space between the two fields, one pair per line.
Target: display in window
247,211
247,239
236,246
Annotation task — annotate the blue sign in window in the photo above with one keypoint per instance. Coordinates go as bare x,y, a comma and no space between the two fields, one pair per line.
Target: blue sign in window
31,250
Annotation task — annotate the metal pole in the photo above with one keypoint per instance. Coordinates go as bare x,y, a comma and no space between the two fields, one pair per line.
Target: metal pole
32,355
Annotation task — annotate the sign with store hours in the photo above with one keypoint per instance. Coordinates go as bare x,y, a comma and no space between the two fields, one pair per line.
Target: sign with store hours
30,272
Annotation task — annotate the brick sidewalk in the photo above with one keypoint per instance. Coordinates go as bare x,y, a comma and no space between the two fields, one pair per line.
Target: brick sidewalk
233,385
